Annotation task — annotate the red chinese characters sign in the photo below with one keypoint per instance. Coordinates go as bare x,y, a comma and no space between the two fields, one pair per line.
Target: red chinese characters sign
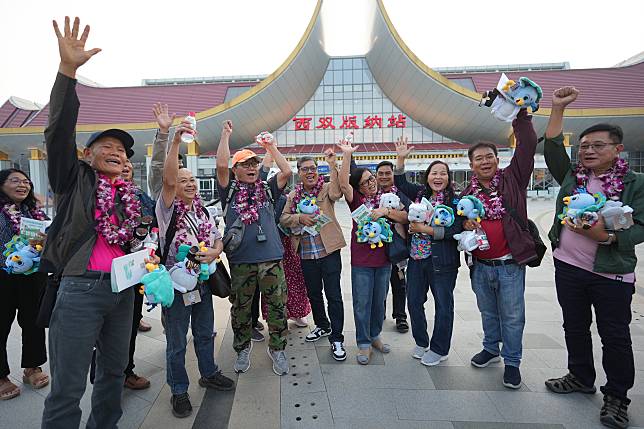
350,122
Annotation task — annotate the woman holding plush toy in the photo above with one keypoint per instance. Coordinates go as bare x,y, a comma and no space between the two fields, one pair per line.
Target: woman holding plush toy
19,291
370,268
434,258
180,208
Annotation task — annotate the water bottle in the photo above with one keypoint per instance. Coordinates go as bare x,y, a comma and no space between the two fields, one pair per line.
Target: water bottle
151,241
481,239
187,137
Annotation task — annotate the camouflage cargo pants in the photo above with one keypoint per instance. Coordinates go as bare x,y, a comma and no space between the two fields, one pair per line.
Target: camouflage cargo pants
269,277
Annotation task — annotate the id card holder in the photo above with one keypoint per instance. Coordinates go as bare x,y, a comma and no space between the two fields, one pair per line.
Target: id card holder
469,259
192,297
260,234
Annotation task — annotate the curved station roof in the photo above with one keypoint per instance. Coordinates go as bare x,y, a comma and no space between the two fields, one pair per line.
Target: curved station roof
434,100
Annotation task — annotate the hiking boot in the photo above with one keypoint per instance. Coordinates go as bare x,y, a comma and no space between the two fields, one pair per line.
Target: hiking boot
568,384
181,406
255,335
512,377
134,382
280,365
218,382
614,413
484,358
243,359
431,359
316,334
337,351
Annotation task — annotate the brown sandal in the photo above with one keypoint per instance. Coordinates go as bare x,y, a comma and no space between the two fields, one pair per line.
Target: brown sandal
35,377
8,390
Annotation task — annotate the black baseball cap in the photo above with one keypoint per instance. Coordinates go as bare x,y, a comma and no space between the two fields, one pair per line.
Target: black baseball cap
120,135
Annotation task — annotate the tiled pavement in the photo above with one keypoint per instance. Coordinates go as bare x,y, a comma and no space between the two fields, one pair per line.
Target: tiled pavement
393,391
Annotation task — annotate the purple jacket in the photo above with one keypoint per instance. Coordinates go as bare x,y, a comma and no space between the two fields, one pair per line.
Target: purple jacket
513,188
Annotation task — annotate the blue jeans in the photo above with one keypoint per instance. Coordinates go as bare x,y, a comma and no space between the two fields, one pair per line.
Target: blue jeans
500,297
202,318
369,289
420,277
88,313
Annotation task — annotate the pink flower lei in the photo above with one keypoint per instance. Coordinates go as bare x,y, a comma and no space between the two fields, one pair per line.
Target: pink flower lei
612,180
373,201
249,199
114,234
205,227
437,199
13,212
301,194
492,202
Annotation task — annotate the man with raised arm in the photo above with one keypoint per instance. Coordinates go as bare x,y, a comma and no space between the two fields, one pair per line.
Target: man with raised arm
257,260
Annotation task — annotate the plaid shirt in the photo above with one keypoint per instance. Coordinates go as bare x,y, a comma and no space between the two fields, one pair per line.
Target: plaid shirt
311,247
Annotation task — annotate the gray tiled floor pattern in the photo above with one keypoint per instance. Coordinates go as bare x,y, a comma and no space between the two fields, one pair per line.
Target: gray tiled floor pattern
393,391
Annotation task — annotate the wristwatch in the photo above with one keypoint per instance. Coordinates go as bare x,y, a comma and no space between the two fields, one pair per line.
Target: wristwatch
610,240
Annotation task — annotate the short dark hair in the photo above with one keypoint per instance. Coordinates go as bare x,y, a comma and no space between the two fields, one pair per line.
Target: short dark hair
304,159
356,176
614,131
481,145
384,164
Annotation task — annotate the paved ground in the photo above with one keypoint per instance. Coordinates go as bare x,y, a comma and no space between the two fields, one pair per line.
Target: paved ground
393,391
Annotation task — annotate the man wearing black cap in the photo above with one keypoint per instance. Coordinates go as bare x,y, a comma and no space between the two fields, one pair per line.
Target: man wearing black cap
96,213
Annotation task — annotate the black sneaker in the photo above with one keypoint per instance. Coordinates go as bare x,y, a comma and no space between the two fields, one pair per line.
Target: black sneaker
512,377
337,351
255,335
259,326
402,326
218,382
316,334
484,358
181,406
614,413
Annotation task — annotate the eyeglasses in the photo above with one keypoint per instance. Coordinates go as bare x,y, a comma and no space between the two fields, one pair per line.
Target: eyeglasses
25,182
596,147
248,164
371,179
308,169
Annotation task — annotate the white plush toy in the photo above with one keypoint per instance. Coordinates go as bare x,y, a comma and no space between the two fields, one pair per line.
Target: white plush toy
420,212
183,279
467,241
389,200
617,216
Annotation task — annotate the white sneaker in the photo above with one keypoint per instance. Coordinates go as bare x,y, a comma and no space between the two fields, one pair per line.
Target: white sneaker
418,352
337,351
431,359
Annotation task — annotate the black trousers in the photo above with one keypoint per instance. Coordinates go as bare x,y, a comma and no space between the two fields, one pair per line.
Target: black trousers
21,294
137,315
398,292
577,291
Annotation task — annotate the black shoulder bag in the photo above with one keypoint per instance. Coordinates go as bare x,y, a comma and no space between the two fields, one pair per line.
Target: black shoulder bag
532,228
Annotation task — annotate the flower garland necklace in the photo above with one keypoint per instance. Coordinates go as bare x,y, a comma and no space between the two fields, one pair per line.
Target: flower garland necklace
204,225
14,214
492,201
114,234
612,179
301,194
437,199
373,201
249,198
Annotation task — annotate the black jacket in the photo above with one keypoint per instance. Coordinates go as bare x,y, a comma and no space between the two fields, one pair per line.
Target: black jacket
72,235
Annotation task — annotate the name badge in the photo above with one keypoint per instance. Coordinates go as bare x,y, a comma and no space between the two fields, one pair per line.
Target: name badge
191,298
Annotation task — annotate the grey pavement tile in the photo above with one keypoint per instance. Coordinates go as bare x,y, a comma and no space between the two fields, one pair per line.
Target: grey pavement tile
324,356
523,407
445,405
352,423
501,425
534,296
468,378
160,414
302,380
156,376
24,411
539,341
350,402
256,404
407,374
309,410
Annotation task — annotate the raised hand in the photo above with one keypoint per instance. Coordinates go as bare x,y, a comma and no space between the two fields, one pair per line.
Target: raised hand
72,48
329,155
164,119
402,148
227,128
183,127
346,147
564,96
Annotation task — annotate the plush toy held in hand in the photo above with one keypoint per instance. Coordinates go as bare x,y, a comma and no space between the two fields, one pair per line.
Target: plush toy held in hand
157,286
467,241
390,200
582,208
443,216
21,257
617,216
470,207
184,279
375,232
307,205
420,212
509,97
264,138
